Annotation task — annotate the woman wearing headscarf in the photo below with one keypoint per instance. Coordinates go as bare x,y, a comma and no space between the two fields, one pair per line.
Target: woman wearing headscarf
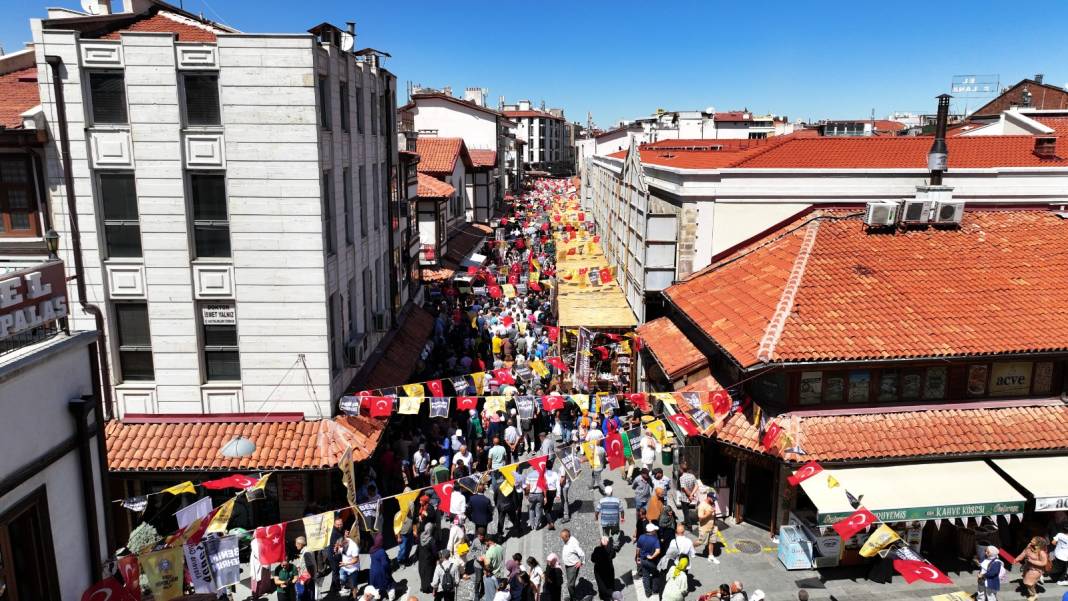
676,581
381,576
427,553
604,571
1033,560
553,582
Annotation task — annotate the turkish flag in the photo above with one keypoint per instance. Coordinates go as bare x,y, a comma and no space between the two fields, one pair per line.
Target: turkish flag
683,421
464,403
804,473
503,376
534,286
614,337
237,481
131,576
771,435
571,251
721,402
602,351
913,570
552,402
444,492
507,319
381,406
638,344
859,520
435,388
606,275
558,363
538,463
613,446
638,400
554,333
272,540
108,589
495,291
472,269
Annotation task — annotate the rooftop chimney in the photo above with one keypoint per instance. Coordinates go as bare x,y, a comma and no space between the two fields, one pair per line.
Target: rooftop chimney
937,156
1046,147
1038,78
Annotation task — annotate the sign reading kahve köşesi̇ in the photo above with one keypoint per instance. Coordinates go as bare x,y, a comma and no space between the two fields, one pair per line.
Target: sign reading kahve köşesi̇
33,297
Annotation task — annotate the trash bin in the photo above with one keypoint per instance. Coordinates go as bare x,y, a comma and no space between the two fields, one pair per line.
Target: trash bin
667,457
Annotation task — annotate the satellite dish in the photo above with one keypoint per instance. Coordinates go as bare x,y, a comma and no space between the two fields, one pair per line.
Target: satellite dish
347,41
93,7
710,110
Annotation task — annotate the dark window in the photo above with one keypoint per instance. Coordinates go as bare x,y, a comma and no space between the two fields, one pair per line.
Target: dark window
359,109
27,559
374,113
343,95
221,358
385,113
335,356
107,94
328,215
18,199
211,223
122,227
135,344
360,195
346,188
201,99
384,198
354,307
324,101
375,197
367,287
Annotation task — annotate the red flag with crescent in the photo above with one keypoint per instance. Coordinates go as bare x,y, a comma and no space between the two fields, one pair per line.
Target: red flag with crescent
444,492
131,576
435,388
503,376
683,421
771,435
272,541
552,402
859,520
108,589
913,570
534,286
380,406
554,333
638,400
239,481
538,463
606,275
558,363
804,473
721,402
464,403
613,446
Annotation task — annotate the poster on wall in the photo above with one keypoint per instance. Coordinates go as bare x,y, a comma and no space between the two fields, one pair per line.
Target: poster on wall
888,386
1011,379
911,385
811,389
935,385
977,380
834,388
859,386
1043,379
292,487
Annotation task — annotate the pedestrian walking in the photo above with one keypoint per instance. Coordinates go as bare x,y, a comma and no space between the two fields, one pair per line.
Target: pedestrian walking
285,577
537,576
552,487
604,570
337,533
554,579
505,504
1059,574
706,528
349,565
989,575
643,489
679,546
647,555
493,568
480,508
572,557
1033,560
427,551
609,514
677,581
597,468
535,493
307,567
565,490
381,575
446,577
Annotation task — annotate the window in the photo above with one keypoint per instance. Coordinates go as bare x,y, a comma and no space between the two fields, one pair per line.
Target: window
354,307
374,197
211,224
346,187
201,98
359,109
328,215
343,103
219,339
18,199
107,94
335,356
374,113
122,226
135,344
27,558
367,288
384,197
324,101
361,190
385,113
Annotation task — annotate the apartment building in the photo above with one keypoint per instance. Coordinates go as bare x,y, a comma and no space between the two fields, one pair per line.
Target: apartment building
234,198
545,133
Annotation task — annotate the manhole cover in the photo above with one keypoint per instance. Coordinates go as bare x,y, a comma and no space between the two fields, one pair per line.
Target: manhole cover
748,547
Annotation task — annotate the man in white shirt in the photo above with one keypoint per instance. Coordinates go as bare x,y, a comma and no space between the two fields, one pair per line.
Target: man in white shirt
349,564
457,502
572,557
511,438
535,498
552,487
680,546
648,445
1060,556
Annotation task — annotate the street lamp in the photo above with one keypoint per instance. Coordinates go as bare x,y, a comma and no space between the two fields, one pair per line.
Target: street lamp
52,241
239,446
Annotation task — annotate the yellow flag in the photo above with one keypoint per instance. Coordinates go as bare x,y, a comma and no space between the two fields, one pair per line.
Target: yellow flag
664,397
165,572
261,483
413,390
832,482
178,489
409,405
658,430
587,449
478,378
494,404
506,487
539,368
508,471
883,536
317,530
222,517
624,347
404,500
509,291
582,400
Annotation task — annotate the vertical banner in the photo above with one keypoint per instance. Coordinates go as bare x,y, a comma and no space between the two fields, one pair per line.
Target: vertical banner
225,560
189,514
317,530
196,561
582,359
348,475
164,572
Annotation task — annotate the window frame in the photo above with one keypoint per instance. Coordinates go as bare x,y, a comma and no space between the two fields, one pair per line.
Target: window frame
195,223
343,105
359,109
32,209
209,350
35,501
346,197
122,349
185,75
323,86
105,222
329,230
361,186
91,112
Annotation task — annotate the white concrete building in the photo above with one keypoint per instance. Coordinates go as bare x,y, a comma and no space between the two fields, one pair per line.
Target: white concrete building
53,515
545,134
667,208
233,196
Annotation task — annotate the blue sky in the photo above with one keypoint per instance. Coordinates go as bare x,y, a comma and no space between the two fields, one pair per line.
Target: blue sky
623,59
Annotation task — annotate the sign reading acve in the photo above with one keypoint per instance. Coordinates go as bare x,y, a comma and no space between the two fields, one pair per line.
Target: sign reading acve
32,297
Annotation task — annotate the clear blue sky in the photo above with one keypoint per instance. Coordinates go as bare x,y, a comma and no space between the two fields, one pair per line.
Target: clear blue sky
623,59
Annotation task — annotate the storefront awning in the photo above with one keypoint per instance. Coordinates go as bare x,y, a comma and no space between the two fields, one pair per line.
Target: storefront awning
920,491
1038,476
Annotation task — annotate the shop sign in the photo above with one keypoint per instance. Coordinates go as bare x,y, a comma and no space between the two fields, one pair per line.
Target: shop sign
1011,378
1051,504
33,297
940,512
218,315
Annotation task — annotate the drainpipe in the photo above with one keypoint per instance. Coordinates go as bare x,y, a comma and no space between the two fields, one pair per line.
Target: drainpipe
79,410
102,408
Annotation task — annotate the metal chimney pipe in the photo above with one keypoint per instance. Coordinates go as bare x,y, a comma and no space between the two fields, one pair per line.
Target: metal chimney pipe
937,156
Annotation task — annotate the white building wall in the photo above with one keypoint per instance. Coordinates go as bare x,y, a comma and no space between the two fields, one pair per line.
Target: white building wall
478,129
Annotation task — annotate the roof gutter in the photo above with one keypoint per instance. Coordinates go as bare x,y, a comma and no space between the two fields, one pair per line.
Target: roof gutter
909,360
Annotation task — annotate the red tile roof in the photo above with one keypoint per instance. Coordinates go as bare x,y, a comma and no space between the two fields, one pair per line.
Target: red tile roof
483,158
399,360
439,155
432,187
672,349
294,444
732,116
18,94
979,289
704,384
164,22
535,114
701,154
462,242
929,432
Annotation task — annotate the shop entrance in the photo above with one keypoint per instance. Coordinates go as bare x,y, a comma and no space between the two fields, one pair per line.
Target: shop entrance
758,495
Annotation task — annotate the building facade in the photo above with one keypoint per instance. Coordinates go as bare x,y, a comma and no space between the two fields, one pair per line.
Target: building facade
546,137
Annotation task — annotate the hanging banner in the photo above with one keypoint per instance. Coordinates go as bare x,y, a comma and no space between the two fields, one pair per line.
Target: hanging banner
190,513
409,405
221,519
317,530
883,536
350,405
525,407
369,514
164,572
439,406
198,567
582,359
348,474
136,504
178,489
224,559
405,501
459,385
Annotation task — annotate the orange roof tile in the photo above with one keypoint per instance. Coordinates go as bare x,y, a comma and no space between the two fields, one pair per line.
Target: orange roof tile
163,22
974,290
294,444
432,187
672,349
483,158
930,432
706,383
18,94
439,155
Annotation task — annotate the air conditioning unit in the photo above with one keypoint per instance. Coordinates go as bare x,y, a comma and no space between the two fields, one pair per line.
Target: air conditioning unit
950,211
354,349
881,214
915,211
380,320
